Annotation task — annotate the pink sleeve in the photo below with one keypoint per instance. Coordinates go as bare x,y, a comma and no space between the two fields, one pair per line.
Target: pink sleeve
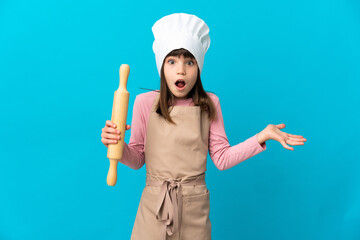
133,155
222,154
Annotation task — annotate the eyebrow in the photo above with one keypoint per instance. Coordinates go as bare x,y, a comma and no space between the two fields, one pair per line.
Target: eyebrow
184,57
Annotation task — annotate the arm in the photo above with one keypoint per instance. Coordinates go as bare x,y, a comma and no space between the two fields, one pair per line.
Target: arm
222,154
133,155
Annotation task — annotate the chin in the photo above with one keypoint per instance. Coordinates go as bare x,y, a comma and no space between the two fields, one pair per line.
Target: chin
180,95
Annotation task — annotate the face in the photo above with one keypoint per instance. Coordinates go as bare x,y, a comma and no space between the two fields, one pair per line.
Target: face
180,74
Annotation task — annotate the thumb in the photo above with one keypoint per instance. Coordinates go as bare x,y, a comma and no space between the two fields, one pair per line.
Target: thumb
281,125
128,127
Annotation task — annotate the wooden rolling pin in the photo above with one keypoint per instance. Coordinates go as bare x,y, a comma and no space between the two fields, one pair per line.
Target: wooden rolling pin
118,116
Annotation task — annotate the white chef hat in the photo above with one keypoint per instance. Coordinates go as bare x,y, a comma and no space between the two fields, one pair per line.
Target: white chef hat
180,30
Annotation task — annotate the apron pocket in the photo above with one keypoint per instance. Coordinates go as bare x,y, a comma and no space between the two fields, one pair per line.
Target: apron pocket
202,197
195,217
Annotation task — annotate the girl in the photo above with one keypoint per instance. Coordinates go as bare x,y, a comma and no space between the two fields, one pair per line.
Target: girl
173,129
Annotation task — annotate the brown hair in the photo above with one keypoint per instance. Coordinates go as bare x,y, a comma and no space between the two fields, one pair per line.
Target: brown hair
197,93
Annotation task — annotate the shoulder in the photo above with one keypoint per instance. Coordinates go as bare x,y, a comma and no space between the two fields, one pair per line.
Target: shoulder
146,99
213,97
147,96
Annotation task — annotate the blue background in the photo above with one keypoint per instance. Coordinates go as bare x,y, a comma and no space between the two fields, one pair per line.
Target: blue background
269,62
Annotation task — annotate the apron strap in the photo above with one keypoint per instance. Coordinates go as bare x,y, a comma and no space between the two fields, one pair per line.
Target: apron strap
169,206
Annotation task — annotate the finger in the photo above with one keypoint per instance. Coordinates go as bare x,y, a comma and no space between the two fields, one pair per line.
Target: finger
110,136
297,139
281,125
106,142
286,146
128,127
293,142
109,141
112,130
110,124
295,136
113,136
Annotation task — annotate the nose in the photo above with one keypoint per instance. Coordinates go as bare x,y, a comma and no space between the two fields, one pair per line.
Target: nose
181,69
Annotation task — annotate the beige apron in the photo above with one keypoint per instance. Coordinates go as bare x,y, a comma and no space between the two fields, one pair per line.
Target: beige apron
175,201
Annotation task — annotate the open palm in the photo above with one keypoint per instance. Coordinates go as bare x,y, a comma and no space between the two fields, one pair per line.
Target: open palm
273,132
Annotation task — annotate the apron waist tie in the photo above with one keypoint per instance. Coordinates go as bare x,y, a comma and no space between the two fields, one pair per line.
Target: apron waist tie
169,206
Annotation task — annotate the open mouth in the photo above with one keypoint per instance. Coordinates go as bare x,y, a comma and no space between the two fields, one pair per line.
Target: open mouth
180,84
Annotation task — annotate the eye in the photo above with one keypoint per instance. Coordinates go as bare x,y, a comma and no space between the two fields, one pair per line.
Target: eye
171,61
191,63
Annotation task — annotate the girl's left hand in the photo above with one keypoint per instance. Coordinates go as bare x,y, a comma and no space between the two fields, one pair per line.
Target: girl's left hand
272,132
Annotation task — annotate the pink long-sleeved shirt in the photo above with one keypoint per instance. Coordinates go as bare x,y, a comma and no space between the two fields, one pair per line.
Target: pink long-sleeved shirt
221,153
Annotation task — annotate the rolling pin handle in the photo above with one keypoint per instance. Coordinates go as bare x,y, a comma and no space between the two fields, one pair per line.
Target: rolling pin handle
112,174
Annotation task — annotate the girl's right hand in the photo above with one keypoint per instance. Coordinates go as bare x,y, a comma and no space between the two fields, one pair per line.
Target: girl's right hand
111,135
